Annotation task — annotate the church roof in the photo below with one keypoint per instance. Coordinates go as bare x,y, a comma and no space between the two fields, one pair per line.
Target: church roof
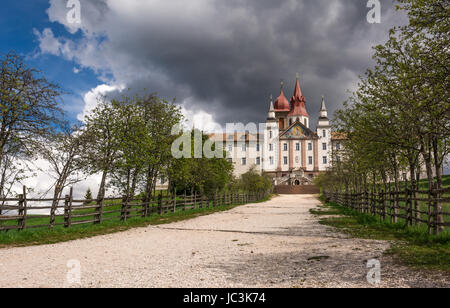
281,103
324,107
298,102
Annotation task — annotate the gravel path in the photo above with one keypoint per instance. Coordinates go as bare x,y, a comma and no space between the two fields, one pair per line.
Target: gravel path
273,244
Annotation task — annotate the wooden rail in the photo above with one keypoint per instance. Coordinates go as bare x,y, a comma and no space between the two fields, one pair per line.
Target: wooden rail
70,212
411,206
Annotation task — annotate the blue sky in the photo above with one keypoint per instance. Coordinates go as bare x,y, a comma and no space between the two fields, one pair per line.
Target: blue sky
18,19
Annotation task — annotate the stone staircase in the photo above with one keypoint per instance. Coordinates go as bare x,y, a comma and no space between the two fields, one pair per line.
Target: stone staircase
297,190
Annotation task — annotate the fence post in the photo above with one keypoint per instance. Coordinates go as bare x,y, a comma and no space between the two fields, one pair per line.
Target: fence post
360,201
406,204
66,211
168,201
160,204
435,211
383,204
390,202
124,212
429,211
99,210
144,206
184,201
195,200
20,213
174,199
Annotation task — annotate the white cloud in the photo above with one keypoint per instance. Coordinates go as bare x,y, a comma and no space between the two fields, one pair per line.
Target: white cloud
41,181
200,119
91,97
47,42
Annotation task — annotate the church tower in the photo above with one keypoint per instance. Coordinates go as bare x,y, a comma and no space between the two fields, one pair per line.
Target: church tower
298,111
324,133
271,144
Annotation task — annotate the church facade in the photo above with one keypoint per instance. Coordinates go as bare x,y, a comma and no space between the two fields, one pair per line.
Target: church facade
288,150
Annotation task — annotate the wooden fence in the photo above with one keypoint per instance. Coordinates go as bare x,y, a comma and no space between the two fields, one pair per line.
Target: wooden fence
411,206
71,212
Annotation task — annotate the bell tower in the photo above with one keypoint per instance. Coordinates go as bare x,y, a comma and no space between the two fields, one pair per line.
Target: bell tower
271,135
324,133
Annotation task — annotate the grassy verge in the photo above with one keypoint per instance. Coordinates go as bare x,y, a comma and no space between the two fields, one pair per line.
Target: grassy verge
59,234
411,246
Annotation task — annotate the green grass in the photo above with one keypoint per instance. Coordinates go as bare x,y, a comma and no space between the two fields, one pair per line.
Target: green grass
411,246
42,236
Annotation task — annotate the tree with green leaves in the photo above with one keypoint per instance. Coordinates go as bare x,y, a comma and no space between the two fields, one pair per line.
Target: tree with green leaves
203,175
29,109
102,143
254,182
398,119
88,195
62,150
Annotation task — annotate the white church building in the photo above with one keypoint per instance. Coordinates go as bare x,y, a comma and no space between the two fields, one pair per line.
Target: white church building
287,150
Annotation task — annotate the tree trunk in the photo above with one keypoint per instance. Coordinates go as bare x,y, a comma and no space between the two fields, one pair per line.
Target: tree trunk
438,170
414,188
134,183
101,190
427,158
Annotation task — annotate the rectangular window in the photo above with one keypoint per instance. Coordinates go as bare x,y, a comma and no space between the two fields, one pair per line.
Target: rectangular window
271,160
244,161
285,147
258,161
285,160
230,148
325,160
297,146
271,147
244,147
310,160
324,133
309,146
257,147
324,146
271,134
230,160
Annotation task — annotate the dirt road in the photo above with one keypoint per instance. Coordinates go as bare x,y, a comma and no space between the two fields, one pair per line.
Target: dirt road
274,244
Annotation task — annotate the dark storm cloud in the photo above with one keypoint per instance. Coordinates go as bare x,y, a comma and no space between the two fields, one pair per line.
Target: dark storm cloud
229,56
